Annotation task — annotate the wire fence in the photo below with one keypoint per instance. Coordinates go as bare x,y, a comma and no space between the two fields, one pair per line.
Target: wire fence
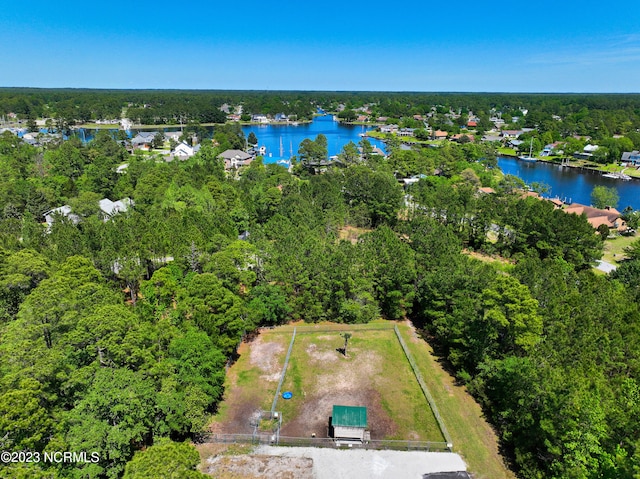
275,438
425,390
327,442
337,328
284,372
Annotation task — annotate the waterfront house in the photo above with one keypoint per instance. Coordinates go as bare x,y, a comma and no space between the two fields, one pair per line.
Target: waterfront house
631,157
173,135
514,143
586,153
405,132
596,217
388,128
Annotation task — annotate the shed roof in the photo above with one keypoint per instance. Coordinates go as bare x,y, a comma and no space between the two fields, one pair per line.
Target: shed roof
349,416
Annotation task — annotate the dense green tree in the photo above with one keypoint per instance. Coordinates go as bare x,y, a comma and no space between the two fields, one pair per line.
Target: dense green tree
313,151
604,196
165,460
214,309
113,419
376,193
267,305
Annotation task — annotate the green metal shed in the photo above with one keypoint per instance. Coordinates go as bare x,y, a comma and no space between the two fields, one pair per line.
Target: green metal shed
349,422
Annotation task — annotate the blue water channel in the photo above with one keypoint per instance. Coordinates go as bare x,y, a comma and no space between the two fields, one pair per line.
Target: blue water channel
281,142
571,184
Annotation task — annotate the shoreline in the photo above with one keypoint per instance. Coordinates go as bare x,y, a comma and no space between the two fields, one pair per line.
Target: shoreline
600,170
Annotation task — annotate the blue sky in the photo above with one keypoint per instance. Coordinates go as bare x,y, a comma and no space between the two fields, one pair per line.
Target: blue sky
543,46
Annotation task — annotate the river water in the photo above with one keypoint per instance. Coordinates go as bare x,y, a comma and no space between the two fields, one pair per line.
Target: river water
281,142
571,184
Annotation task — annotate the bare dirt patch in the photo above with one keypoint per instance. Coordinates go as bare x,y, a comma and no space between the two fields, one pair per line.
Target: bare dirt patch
257,369
314,415
258,466
265,355
320,355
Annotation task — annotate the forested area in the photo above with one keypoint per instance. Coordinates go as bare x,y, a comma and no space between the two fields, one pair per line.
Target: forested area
115,332
554,116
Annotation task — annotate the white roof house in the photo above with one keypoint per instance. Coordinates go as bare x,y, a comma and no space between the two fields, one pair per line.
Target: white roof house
108,209
50,216
184,151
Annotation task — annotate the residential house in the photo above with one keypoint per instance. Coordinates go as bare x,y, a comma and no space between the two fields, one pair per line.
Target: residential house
631,157
184,151
388,128
586,153
50,216
108,209
281,117
510,133
405,132
173,135
377,151
459,137
143,140
235,159
596,217
439,135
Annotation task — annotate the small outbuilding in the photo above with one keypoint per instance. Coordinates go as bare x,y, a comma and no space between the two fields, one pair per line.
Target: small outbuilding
349,423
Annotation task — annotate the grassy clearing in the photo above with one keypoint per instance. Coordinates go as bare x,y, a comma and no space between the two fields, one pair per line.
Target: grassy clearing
507,151
352,233
501,263
473,438
253,378
614,248
318,373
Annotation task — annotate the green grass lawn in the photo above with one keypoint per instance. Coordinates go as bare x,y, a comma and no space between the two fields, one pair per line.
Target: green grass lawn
375,363
614,248
507,151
